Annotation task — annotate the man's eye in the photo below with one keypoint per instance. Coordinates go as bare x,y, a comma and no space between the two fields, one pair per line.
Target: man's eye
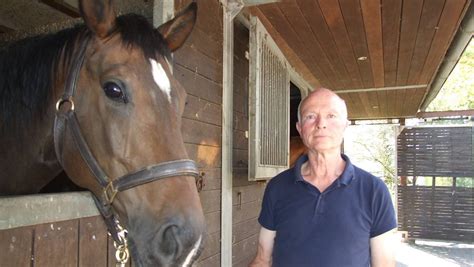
331,116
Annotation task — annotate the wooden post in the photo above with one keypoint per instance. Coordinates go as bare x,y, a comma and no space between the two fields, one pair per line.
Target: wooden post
231,9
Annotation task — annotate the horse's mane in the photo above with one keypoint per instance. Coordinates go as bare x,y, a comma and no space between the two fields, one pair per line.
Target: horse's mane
27,67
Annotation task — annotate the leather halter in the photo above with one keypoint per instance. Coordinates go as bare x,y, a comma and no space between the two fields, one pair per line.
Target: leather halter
66,120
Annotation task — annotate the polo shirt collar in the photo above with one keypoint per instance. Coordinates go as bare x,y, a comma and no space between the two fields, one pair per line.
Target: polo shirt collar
345,178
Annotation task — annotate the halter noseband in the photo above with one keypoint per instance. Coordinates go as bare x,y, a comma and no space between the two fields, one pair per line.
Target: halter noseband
67,119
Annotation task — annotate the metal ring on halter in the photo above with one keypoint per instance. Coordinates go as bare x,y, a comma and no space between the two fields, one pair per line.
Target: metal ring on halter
64,100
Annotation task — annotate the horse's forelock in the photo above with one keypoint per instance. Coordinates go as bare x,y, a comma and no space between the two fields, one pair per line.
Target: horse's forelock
137,31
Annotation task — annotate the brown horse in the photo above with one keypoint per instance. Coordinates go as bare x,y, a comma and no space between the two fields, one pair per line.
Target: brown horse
115,129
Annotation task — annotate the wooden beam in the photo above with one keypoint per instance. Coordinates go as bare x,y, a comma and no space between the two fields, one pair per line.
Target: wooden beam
448,113
378,89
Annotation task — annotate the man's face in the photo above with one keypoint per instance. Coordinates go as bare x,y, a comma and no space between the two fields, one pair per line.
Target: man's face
323,122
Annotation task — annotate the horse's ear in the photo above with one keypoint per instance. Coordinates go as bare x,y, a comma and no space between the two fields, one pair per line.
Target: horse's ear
177,30
99,16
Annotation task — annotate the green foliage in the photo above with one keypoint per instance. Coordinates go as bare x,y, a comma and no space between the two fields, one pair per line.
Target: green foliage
457,92
372,147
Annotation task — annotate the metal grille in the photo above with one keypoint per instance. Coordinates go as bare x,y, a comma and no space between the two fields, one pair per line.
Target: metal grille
274,101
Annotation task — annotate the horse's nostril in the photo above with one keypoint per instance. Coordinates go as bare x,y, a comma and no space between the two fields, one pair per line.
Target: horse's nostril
170,244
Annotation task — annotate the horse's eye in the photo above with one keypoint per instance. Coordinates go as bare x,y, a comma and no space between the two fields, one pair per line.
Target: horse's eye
114,92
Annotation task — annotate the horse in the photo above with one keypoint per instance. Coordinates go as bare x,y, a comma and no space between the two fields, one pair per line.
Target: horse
115,128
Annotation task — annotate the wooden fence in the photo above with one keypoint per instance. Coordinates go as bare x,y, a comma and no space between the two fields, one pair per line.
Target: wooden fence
436,151
436,212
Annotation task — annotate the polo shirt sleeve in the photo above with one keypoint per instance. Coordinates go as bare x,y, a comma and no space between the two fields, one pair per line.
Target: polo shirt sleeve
266,218
383,212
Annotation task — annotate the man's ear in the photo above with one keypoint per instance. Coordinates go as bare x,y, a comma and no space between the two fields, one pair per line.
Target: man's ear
298,127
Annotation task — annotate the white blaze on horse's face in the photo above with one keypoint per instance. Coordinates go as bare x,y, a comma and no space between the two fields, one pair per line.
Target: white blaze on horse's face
192,253
160,77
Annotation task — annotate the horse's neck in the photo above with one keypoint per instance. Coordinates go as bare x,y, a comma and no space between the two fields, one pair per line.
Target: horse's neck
28,160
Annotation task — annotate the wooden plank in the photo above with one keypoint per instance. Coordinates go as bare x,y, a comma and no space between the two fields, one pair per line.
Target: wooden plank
391,11
275,15
92,242
203,42
246,211
197,85
246,193
205,156
241,99
199,133
445,31
317,58
364,98
212,179
210,261
241,122
352,15
428,22
211,247
372,16
244,249
210,200
209,17
56,244
240,140
198,62
411,15
16,246
213,224
200,109
335,21
245,229
314,17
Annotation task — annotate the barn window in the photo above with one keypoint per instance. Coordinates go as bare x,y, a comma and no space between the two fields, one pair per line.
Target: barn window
269,83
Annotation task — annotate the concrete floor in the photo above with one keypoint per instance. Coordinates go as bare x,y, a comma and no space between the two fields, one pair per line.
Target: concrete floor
433,253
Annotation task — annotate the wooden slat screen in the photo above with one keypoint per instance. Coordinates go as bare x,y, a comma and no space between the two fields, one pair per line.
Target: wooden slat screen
445,213
436,151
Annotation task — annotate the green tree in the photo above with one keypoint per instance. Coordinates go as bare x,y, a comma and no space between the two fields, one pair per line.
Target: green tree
457,92
372,147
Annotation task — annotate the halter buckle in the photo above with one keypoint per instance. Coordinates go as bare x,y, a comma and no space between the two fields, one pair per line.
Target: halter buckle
109,193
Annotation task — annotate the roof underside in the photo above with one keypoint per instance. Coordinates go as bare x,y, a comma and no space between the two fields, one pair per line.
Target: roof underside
380,55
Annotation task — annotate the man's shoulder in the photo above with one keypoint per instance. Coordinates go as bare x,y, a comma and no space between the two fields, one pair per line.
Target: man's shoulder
367,177
284,176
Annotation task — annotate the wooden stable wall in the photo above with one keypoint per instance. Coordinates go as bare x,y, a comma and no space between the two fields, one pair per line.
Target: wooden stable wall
78,242
247,196
198,67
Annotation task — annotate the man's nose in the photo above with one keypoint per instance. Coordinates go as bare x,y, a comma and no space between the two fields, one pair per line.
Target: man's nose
320,122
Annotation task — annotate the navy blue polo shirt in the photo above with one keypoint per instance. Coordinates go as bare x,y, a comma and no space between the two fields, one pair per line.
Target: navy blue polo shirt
329,229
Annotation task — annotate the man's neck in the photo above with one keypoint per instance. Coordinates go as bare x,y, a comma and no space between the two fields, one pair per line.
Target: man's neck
322,169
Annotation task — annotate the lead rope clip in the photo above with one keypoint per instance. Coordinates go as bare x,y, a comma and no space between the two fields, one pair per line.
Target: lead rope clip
121,250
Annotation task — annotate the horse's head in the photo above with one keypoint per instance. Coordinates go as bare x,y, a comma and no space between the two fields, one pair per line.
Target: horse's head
128,108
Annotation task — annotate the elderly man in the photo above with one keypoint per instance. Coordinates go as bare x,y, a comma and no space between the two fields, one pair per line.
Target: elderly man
325,211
